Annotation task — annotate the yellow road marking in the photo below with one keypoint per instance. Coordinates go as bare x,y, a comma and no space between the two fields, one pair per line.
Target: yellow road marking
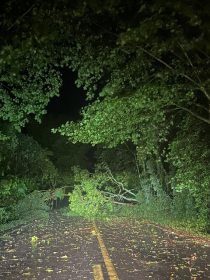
97,272
107,260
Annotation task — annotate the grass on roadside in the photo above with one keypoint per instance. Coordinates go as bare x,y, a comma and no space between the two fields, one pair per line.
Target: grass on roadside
164,218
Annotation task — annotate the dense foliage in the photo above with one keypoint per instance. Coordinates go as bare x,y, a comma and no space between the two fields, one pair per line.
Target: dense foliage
145,68
86,198
25,167
146,77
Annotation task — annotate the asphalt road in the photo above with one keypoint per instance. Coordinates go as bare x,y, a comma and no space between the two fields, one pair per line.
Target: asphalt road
73,248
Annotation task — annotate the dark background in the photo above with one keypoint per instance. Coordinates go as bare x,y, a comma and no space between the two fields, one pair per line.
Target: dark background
71,98
65,107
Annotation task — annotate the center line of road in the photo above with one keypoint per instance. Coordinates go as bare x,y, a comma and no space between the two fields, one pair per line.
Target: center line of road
97,272
107,260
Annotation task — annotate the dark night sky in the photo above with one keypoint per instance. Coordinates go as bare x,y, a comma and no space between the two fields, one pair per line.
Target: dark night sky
71,98
59,110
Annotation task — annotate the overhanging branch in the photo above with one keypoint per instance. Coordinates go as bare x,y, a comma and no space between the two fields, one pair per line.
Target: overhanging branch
194,114
187,77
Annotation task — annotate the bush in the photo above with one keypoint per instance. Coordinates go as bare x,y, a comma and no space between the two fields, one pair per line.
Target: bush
21,156
31,206
183,206
86,200
190,155
12,190
4,215
152,206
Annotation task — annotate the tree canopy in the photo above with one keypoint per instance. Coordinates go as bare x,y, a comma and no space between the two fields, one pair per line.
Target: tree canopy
144,66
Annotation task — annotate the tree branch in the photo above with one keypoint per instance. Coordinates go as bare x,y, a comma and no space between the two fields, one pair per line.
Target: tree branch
21,17
190,62
120,184
187,77
120,196
193,114
202,107
200,87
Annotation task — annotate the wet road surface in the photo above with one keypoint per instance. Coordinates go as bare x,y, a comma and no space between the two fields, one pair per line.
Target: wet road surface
74,248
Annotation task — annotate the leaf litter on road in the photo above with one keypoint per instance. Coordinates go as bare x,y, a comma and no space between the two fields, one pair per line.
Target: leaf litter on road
67,248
